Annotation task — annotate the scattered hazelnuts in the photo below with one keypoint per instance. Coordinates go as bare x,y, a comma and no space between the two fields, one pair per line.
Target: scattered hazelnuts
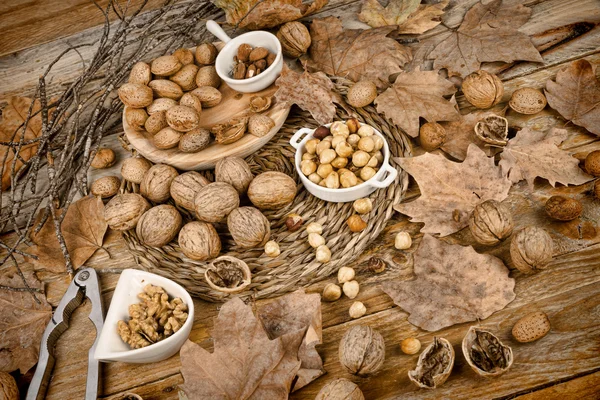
351,289
402,241
345,274
272,249
331,292
592,163
363,206
315,240
323,254
314,227
356,223
410,346
357,309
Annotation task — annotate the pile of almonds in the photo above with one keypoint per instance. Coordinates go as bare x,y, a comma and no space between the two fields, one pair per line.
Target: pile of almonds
166,98
250,62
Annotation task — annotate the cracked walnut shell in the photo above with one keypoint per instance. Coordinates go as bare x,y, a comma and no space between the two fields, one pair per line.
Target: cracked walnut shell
493,130
248,227
362,350
199,241
159,225
434,364
490,222
485,353
228,274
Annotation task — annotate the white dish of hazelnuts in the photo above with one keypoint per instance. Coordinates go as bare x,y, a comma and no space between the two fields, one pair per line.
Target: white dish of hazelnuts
342,161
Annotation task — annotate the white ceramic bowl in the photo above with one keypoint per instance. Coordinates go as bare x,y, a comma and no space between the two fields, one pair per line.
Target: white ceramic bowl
382,179
224,61
112,348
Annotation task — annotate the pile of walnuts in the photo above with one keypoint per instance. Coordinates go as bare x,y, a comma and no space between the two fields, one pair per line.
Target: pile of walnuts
166,98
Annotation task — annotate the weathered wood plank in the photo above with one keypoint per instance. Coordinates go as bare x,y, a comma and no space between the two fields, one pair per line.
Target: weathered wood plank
583,388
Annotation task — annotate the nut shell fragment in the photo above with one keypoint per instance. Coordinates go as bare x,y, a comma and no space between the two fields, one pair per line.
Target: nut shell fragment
493,130
260,103
485,353
228,274
434,364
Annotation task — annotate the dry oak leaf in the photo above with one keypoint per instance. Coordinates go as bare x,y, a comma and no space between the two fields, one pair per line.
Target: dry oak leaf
13,118
460,134
489,32
454,284
259,14
310,92
576,95
355,54
83,229
22,321
245,363
450,191
534,153
411,16
293,312
417,94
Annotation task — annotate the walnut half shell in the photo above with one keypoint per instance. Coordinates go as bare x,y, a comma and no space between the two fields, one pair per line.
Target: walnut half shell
493,130
434,365
228,274
485,353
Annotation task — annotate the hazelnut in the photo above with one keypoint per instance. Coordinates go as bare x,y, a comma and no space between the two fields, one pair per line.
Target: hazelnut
353,125
363,206
527,101
328,138
322,146
311,146
323,254
314,227
332,181
482,89
490,222
365,130
293,222
592,163
315,178
360,158
315,240
376,265
331,292
563,208
432,135
308,156
272,249
367,144
308,167
339,162
361,94
348,179
104,158
324,170
353,139
327,156
402,241
321,132
367,173
362,350
337,140
378,140
379,156
343,149
356,223
531,249
357,309
339,128
351,289
373,162
340,389
410,346
345,274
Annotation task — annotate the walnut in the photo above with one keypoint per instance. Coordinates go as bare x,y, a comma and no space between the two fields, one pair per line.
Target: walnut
434,365
123,211
104,158
362,350
215,201
531,249
485,353
184,188
483,89
294,38
340,389
563,208
260,103
248,227
159,225
272,190
230,132
235,171
490,222
157,183
493,130
153,319
199,241
228,274
8,387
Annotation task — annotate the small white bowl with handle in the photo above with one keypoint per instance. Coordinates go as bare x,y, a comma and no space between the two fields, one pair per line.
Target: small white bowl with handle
110,345
224,61
382,179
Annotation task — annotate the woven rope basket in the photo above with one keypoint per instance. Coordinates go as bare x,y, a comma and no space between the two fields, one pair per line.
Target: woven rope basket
296,265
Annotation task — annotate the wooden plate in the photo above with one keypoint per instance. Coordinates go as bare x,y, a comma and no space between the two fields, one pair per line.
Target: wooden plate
233,104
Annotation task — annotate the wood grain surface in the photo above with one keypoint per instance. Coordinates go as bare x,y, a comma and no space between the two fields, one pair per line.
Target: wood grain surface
564,365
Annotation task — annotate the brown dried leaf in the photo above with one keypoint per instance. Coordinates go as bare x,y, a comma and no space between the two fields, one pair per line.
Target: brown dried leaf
411,16
83,229
450,191
355,54
310,92
22,322
13,116
576,95
460,134
489,32
417,94
535,153
259,14
245,363
454,284
291,313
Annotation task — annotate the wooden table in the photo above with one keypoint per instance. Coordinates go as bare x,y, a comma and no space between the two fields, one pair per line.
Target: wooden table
563,365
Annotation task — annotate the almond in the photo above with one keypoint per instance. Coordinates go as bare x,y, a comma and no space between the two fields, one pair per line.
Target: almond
107,186
527,101
136,117
194,140
135,95
156,122
362,93
260,125
206,53
165,89
563,208
207,76
592,163
182,118
257,54
165,66
243,52
134,168
208,95
185,56
166,138
140,73
104,158
160,104
186,77
192,101
531,327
